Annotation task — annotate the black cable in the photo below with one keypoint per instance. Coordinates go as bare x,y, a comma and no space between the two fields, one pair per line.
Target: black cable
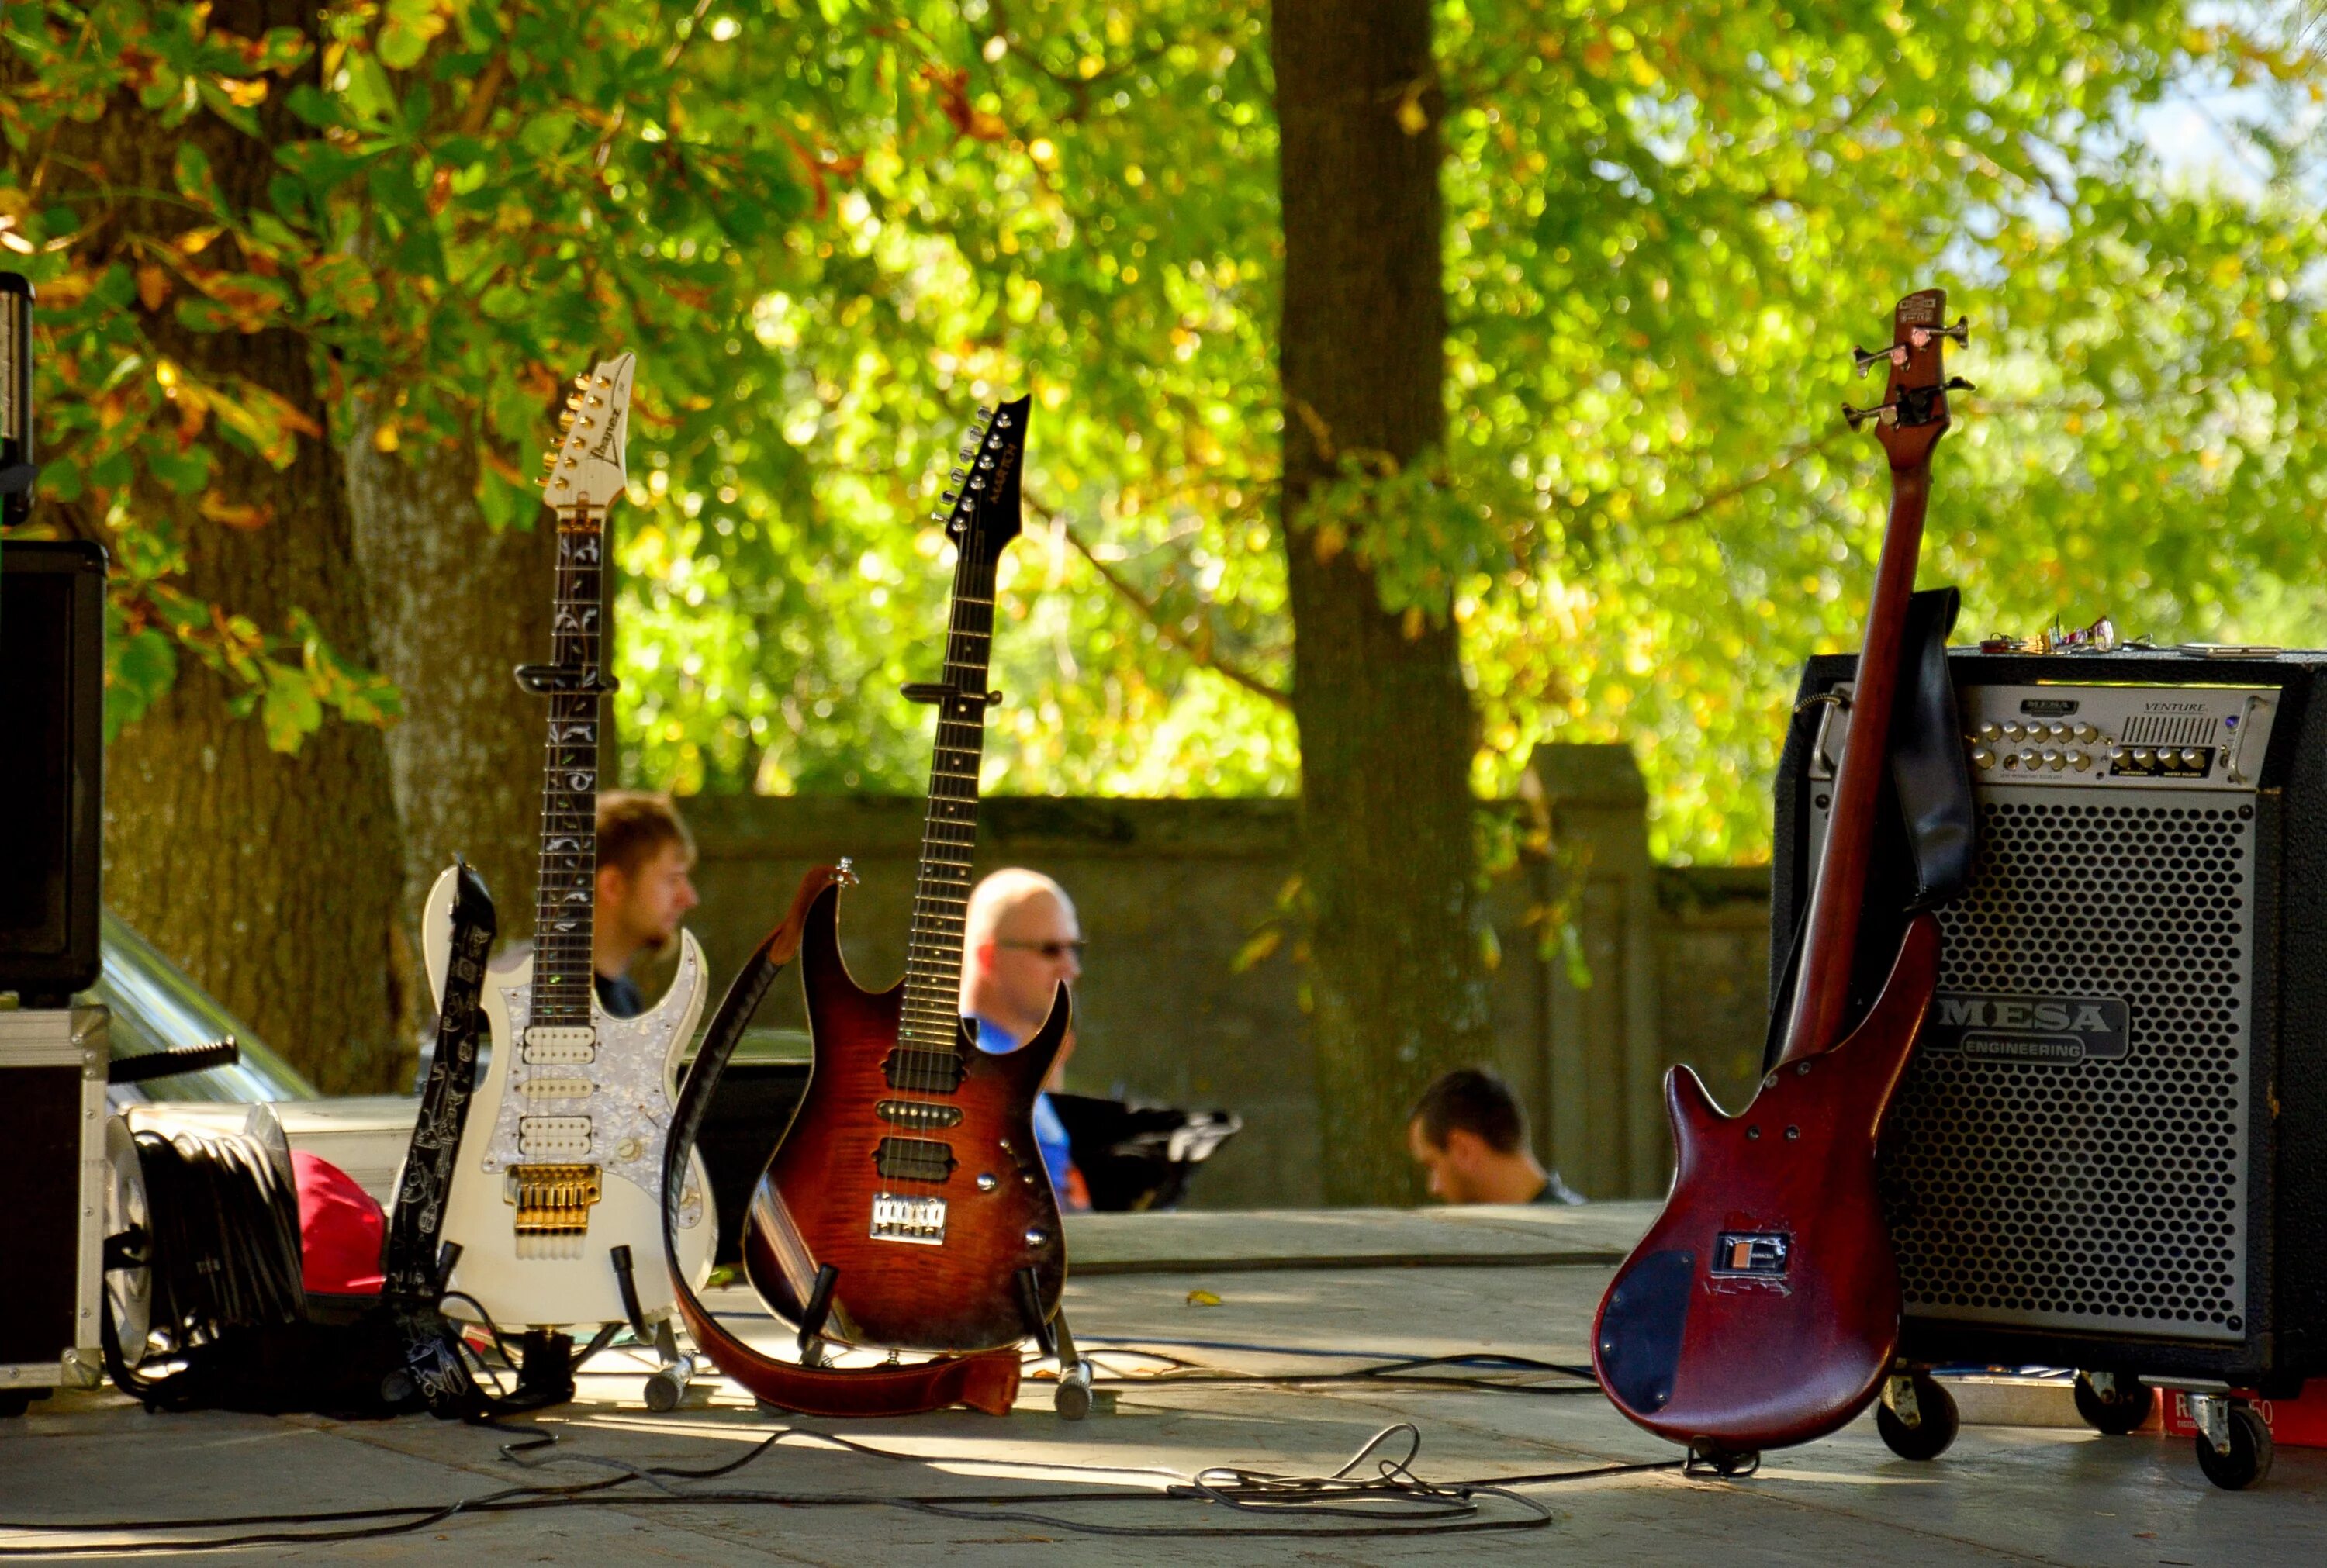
221,1250
1393,1502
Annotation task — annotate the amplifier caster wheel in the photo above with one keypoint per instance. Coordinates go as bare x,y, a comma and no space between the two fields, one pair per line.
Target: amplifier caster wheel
2112,1403
2234,1446
1917,1417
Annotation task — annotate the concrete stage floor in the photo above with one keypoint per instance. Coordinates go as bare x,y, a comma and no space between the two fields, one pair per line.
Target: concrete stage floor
1518,1282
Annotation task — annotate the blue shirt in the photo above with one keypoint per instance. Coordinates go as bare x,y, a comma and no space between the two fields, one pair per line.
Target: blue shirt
1050,1133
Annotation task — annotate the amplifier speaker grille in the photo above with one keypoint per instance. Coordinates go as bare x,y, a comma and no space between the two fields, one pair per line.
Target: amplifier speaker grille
2104,1194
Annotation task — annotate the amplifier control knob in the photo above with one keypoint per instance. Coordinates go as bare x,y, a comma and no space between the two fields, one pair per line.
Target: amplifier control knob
2116,753
2057,731
1990,730
2143,756
2087,735
2080,761
2194,758
2029,758
2053,760
1981,757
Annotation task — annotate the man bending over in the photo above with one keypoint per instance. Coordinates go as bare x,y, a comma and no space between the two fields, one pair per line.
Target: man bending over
1468,1132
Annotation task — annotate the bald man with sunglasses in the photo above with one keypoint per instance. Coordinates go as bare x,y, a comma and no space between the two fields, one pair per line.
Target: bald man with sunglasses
1021,942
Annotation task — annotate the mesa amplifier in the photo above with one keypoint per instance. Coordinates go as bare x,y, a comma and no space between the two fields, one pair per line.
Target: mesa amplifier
2110,1148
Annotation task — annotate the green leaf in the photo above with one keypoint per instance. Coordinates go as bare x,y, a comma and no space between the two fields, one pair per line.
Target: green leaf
288,708
195,180
139,667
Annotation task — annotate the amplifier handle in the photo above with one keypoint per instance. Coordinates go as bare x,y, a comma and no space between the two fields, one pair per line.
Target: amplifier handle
2234,765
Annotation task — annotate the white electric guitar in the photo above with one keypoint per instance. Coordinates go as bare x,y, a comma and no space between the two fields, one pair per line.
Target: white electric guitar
561,1160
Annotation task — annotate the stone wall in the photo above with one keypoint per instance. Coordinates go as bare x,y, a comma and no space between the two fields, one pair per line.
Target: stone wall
1172,893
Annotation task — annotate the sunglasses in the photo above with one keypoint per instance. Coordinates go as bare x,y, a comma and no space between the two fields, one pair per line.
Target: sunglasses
1053,951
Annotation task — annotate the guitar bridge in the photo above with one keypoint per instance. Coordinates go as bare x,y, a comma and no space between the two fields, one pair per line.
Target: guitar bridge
553,1200
918,1220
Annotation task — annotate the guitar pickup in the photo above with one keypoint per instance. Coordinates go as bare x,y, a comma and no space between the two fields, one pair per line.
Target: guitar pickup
550,1137
560,1044
551,1087
923,1115
918,1220
914,1160
553,1200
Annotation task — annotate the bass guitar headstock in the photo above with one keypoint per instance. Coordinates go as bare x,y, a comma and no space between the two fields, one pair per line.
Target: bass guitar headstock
587,472
1913,413
980,510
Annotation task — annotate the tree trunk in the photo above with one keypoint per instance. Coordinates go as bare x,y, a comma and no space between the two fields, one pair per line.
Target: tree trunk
273,879
457,606
1386,730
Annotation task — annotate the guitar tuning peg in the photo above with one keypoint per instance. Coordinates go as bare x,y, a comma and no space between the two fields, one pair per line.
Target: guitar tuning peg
549,460
949,496
1861,361
984,413
1957,384
1888,413
1002,420
958,475
1960,332
574,400
583,382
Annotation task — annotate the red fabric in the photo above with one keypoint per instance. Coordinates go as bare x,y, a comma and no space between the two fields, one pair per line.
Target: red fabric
340,1231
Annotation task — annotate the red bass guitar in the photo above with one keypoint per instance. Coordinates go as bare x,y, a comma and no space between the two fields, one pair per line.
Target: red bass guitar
907,1207
1762,1307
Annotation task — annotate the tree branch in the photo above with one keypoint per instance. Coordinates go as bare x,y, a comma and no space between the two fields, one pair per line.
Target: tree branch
1198,650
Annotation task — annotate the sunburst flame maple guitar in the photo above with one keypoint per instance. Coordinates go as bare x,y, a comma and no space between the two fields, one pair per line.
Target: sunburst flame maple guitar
1762,1307
558,1185
907,1205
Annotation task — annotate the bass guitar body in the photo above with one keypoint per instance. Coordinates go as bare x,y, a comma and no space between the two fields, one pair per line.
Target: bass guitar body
561,1160
919,1182
1763,1307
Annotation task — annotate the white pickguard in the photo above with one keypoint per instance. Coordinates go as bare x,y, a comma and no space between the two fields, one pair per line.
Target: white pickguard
625,1094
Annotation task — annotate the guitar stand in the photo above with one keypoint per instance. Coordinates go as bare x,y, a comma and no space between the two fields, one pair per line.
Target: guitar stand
1075,1399
666,1385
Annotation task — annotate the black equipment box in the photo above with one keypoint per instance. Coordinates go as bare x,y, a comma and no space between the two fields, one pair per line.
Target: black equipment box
52,1167
2109,1150
52,785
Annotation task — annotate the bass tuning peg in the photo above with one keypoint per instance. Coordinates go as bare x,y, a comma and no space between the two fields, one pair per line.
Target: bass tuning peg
1960,332
1957,384
1862,361
1888,413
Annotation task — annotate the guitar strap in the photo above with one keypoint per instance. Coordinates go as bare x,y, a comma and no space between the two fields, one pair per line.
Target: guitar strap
988,1381
1930,779
412,1272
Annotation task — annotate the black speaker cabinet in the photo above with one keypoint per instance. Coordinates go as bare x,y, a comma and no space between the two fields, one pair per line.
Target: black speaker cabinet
2110,1149
52,780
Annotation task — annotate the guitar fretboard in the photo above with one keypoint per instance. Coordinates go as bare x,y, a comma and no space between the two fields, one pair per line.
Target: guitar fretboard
567,890
931,1020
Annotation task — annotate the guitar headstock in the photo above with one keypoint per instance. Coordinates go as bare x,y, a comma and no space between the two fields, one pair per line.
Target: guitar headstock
980,513
586,472
1913,413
